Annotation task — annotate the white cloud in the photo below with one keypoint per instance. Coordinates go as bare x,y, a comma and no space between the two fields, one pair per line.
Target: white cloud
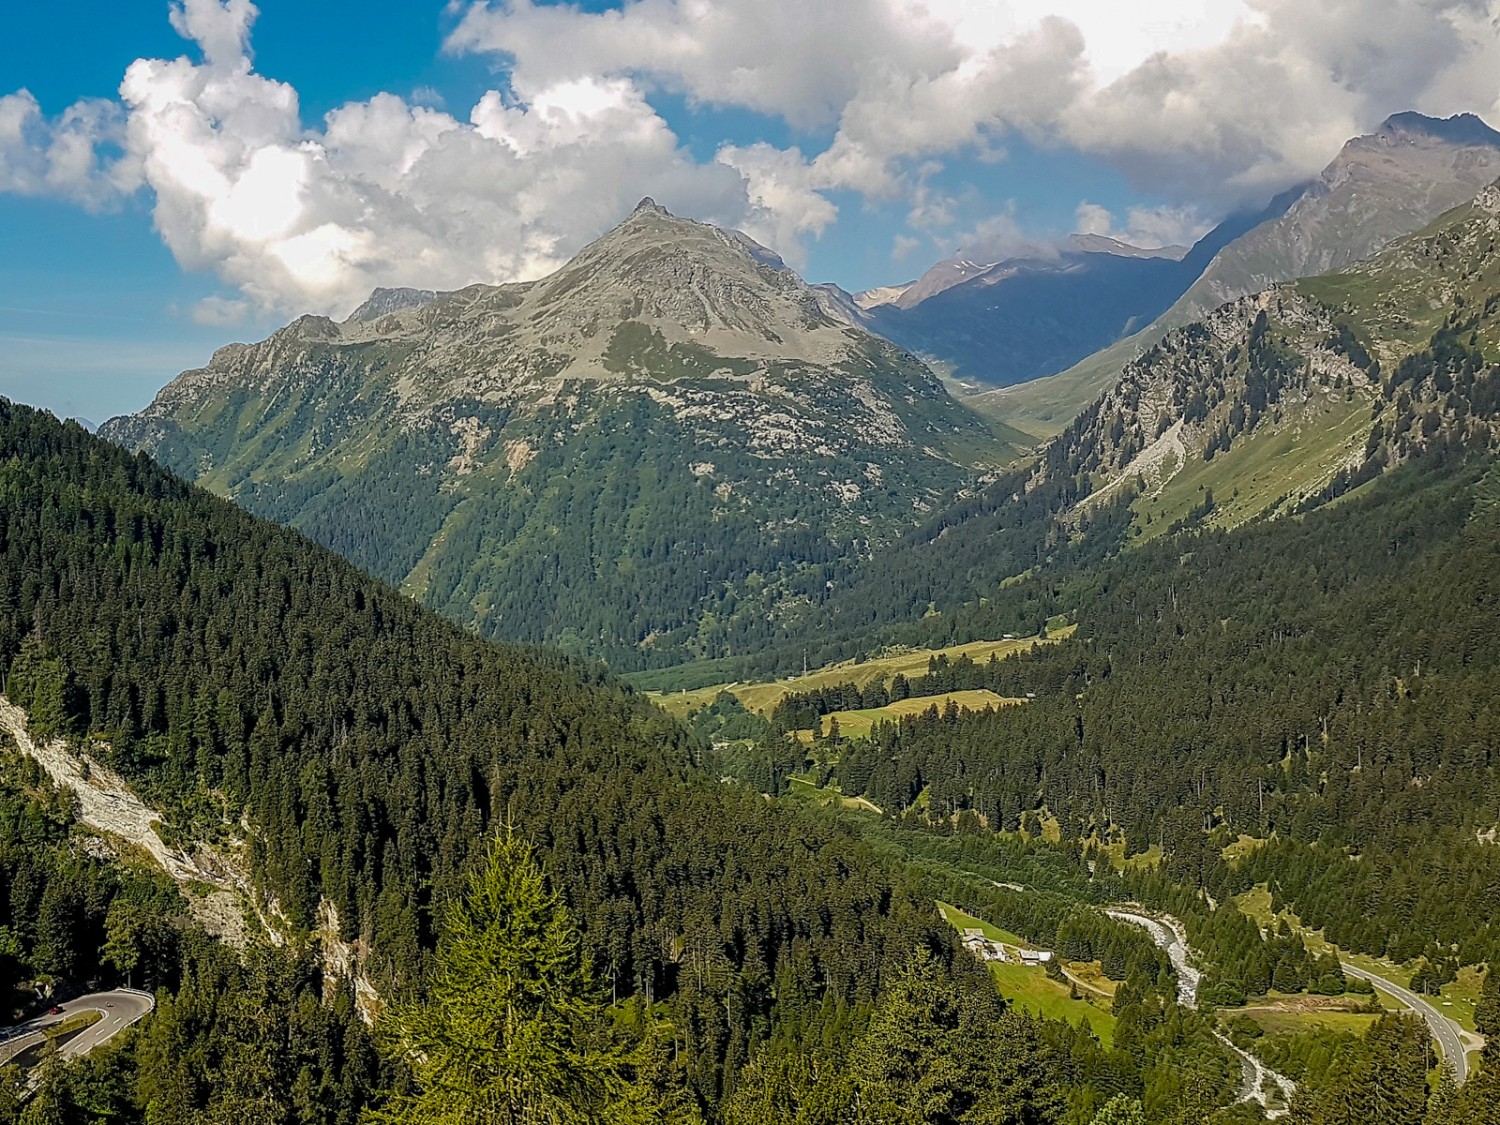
389,192
1147,227
1092,218
221,28
221,312
66,156
786,207
902,247
1218,104
999,236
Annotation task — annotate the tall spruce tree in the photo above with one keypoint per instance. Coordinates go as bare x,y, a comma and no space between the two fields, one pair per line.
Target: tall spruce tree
510,1031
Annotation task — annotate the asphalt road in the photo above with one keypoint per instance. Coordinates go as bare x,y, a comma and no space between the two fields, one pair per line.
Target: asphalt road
120,1009
1448,1033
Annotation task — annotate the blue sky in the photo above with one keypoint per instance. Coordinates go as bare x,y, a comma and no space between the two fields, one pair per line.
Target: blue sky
861,140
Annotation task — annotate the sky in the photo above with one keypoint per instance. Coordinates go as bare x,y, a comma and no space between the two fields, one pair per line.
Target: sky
179,174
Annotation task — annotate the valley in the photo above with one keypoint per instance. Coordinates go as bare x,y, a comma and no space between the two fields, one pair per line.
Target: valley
566,665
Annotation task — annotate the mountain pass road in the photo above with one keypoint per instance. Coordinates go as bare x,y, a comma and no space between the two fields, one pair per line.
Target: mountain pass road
118,1009
1450,1035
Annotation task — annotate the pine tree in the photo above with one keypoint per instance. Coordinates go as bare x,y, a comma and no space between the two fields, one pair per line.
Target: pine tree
1120,1110
509,1032
1487,1011
940,1052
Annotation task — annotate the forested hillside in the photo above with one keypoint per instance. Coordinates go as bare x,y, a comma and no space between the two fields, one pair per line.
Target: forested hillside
1323,681
230,668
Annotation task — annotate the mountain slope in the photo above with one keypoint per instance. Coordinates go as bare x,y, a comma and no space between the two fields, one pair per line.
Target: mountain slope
628,457
1380,187
1389,183
1271,398
1271,405
354,749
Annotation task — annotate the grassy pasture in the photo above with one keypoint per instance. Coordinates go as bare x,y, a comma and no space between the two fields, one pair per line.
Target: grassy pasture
763,696
858,724
1029,987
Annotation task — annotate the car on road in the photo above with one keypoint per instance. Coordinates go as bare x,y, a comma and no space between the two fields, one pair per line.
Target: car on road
54,1011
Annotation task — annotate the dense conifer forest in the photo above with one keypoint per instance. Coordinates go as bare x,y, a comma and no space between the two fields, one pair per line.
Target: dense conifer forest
228,667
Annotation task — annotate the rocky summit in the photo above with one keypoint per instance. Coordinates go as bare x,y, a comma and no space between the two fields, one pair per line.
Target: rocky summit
635,457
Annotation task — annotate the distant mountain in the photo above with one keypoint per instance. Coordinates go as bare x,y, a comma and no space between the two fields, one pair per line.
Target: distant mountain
938,279
1381,186
1298,392
633,457
1378,188
1000,323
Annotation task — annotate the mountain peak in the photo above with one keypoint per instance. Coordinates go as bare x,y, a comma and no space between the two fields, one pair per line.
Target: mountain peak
383,301
647,205
1460,129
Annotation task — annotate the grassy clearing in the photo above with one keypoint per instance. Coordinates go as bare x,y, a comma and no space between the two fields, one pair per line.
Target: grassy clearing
1456,1000
858,724
799,788
1296,457
962,921
1032,990
1241,848
762,697
1029,987
1294,1017
1145,860
1091,975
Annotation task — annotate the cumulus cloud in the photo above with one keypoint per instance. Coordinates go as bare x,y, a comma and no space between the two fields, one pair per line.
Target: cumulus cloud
69,156
386,191
1147,227
389,192
1220,103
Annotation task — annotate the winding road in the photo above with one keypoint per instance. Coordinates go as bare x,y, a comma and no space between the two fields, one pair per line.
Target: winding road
119,1009
1449,1034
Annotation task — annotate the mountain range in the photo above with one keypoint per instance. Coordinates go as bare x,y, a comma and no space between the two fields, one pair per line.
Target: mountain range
1379,187
674,449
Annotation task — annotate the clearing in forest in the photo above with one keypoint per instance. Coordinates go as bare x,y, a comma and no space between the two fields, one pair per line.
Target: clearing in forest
763,696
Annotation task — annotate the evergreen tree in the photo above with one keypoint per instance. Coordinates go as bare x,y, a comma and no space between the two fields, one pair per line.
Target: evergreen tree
941,1051
1120,1110
1487,1011
509,1032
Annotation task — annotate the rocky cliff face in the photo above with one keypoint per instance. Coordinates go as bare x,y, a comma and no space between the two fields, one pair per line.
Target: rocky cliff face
1277,399
630,457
